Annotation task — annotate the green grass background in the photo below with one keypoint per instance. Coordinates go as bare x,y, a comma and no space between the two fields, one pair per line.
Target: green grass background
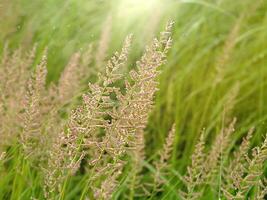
188,93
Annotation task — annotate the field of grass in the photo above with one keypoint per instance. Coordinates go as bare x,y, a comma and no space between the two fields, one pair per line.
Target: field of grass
215,71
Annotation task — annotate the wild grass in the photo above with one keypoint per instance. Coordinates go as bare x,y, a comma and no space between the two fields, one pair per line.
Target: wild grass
170,126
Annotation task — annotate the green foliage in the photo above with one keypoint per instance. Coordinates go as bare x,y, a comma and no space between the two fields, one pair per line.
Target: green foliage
215,71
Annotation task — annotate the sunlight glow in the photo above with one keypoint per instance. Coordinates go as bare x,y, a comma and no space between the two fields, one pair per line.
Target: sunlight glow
140,3
138,7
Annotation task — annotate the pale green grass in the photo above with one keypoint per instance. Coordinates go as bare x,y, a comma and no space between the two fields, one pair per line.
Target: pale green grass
188,95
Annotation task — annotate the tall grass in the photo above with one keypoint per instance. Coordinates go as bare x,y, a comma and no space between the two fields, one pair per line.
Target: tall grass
216,72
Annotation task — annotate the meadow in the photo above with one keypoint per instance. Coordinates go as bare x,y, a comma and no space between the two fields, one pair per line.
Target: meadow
132,99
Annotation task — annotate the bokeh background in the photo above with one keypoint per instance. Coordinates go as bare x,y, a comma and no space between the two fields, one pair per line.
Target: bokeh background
216,69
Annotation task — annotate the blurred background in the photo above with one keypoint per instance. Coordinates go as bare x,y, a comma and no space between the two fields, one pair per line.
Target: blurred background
216,69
